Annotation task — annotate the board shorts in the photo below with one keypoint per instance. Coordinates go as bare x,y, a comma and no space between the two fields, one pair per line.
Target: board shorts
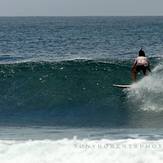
141,68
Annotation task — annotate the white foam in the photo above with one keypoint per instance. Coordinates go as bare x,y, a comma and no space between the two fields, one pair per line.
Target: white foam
82,151
147,94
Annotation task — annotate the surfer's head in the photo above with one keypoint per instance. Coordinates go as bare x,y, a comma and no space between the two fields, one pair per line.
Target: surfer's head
141,53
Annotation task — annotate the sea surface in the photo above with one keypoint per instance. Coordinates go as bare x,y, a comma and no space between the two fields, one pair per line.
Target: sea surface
57,100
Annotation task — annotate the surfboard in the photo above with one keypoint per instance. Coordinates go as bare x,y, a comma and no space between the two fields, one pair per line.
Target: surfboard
122,85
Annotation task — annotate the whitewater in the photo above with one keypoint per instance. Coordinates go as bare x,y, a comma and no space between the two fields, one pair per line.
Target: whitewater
148,91
77,151
47,145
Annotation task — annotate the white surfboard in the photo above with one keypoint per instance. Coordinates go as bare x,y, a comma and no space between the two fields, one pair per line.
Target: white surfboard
122,85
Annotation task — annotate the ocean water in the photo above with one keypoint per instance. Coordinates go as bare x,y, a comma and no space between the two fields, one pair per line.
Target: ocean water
57,102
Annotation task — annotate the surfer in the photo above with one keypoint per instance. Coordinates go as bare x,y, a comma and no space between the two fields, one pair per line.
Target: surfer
141,63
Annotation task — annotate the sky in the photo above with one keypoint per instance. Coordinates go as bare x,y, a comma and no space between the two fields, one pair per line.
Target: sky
81,7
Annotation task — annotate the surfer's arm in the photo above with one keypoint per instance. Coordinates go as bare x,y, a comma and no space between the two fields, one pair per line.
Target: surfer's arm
134,65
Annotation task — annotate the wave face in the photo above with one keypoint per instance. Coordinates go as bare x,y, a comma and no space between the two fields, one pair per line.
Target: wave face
77,93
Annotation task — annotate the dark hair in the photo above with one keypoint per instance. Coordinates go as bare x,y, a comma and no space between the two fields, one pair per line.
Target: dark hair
141,53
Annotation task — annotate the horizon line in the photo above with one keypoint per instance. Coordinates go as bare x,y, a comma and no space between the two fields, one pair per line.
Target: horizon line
81,15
